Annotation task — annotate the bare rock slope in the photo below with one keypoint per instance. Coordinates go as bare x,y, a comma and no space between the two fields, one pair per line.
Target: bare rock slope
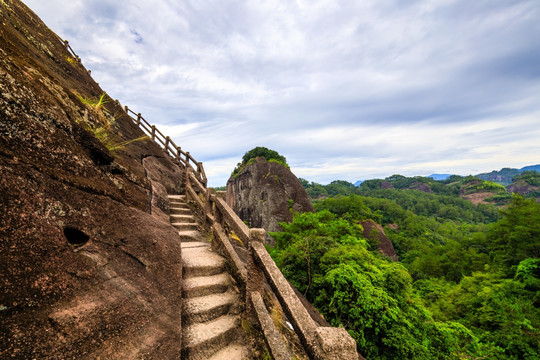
85,270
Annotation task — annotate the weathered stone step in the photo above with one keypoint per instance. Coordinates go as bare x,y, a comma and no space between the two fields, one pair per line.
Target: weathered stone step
185,226
201,261
180,211
209,307
192,235
182,219
178,204
235,351
181,198
204,339
206,285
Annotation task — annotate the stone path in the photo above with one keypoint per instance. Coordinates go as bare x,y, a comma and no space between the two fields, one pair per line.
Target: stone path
211,307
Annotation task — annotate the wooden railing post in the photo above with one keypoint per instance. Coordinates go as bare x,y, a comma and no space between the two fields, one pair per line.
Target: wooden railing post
167,142
139,119
199,166
153,132
126,109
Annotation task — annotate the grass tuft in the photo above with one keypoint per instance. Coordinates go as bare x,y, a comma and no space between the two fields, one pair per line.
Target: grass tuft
104,130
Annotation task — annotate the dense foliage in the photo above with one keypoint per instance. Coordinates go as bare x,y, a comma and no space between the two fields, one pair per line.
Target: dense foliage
263,152
260,151
463,288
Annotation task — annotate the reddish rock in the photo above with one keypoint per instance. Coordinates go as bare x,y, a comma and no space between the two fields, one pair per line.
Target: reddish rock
522,187
85,270
264,193
386,185
374,231
417,185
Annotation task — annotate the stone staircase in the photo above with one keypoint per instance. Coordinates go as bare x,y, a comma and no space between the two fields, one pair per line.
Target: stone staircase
211,306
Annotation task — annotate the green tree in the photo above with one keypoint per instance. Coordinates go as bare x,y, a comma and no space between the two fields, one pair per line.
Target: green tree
266,153
259,151
517,236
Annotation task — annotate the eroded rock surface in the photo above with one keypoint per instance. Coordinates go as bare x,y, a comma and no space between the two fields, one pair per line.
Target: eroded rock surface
374,231
85,270
264,193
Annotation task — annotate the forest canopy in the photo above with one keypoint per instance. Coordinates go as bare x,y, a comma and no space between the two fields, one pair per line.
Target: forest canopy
466,286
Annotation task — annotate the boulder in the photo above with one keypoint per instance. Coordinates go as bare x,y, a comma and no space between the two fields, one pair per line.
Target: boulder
374,231
264,193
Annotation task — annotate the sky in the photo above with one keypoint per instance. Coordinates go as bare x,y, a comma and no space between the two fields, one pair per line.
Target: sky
348,90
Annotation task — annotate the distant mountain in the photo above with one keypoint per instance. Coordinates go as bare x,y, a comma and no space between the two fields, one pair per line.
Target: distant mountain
502,177
439,176
531,167
505,175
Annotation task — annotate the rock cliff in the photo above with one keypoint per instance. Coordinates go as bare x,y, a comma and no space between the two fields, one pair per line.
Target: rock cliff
86,270
264,193
376,234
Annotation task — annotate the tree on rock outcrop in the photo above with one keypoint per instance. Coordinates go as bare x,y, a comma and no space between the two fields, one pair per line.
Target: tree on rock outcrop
263,191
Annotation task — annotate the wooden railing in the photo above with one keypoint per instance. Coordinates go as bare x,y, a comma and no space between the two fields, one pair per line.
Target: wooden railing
173,150
70,50
170,148
319,342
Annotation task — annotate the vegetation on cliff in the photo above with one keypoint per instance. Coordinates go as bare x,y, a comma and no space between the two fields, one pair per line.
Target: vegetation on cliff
259,151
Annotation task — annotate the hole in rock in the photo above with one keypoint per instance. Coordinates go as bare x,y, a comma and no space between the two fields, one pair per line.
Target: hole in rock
75,236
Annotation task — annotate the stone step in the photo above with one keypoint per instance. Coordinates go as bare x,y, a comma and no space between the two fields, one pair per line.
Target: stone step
185,226
194,244
177,219
201,261
201,340
235,351
192,235
206,285
180,211
181,198
176,203
209,307
179,207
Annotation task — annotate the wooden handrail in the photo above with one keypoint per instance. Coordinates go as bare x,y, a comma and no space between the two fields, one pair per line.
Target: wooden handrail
168,145
155,134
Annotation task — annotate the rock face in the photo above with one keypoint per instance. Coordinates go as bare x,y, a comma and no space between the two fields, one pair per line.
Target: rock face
417,185
386,185
521,187
374,231
85,270
264,193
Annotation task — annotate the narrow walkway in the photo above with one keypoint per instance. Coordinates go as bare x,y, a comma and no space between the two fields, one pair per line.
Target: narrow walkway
210,317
